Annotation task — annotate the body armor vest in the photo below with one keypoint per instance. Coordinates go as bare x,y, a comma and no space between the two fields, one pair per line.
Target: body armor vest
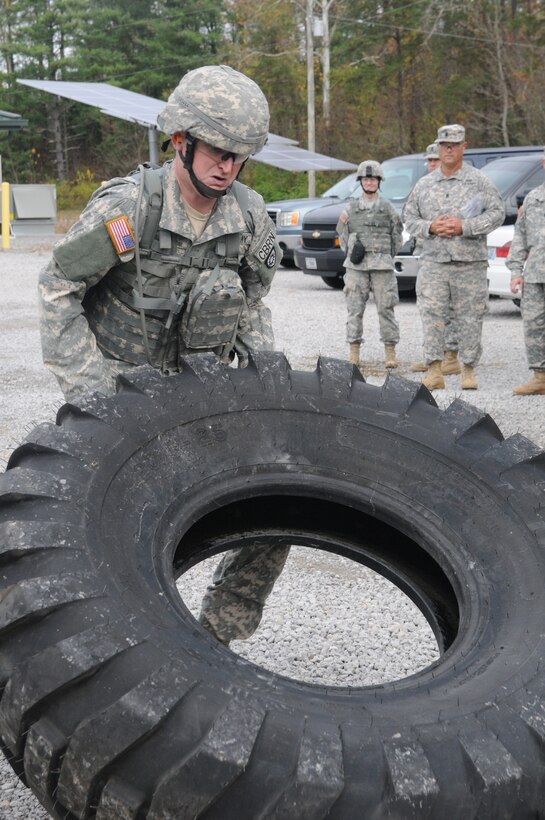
372,227
135,314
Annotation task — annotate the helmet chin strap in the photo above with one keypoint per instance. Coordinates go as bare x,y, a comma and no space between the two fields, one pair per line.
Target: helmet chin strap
187,159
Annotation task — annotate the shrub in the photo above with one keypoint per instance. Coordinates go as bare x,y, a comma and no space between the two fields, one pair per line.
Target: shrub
74,194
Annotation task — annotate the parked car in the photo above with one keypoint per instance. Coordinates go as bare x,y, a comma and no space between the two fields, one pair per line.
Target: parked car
515,177
287,214
320,252
498,274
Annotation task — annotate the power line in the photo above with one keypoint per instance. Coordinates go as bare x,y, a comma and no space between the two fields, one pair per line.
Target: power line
447,35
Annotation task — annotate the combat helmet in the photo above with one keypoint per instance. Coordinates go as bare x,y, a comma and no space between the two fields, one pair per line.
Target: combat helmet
370,168
222,107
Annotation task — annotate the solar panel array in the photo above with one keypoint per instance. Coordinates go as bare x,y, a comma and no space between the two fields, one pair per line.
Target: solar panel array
128,105
293,158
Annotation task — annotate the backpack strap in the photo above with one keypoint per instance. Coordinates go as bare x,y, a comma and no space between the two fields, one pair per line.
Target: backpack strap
152,182
232,241
241,195
151,185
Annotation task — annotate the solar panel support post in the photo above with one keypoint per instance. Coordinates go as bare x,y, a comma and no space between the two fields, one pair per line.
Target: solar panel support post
153,145
5,216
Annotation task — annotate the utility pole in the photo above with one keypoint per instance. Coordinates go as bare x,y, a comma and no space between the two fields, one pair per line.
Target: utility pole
326,44
311,111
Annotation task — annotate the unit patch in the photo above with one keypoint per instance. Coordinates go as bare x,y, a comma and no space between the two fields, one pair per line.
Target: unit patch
121,234
271,259
264,253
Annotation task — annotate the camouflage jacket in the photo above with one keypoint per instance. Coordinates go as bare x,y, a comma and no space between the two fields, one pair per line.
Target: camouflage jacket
527,252
87,254
468,195
378,227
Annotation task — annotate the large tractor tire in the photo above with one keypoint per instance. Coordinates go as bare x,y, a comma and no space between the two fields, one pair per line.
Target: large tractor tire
118,705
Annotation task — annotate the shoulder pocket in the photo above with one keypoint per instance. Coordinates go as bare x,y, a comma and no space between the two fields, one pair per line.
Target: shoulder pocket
86,253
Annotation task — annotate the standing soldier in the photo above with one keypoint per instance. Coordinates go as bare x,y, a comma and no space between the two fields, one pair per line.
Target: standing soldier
144,275
452,210
526,261
370,232
450,366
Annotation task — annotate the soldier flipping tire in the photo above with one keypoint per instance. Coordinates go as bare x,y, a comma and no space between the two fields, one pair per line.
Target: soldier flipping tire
117,704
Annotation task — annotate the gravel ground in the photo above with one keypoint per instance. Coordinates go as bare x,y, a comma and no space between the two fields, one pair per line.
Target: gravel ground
345,625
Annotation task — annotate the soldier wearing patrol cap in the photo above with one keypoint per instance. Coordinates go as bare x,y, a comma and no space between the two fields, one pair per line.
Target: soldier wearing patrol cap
451,211
450,365
432,157
370,234
125,287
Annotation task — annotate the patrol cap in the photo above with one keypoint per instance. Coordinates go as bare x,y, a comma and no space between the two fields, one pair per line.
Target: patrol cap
431,151
220,106
451,133
370,168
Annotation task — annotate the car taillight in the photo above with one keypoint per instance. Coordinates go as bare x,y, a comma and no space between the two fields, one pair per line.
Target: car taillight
503,251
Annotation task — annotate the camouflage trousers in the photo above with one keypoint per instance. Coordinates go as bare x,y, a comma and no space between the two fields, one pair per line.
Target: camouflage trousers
451,331
533,318
463,286
243,580
357,287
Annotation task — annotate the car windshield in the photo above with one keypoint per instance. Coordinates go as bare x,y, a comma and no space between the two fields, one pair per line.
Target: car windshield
505,173
344,187
401,176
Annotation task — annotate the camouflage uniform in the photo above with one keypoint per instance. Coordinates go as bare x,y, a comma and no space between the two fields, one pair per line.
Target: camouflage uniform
376,223
453,269
91,298
527,256
87,259
451,334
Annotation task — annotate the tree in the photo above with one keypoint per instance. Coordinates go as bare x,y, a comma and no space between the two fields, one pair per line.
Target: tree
265,40
141,45
38,43
388,72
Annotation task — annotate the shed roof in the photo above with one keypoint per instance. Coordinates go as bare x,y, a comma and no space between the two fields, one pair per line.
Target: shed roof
11,122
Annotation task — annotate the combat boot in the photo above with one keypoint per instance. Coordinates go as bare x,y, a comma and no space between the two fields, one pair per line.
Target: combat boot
418,367
433,379
354,357
535,387
451,365
469,380
390,355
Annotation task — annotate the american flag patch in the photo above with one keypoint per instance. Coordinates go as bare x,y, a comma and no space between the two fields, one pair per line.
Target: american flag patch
121,234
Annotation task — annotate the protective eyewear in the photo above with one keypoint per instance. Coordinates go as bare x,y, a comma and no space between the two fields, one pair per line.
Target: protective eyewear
219,154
